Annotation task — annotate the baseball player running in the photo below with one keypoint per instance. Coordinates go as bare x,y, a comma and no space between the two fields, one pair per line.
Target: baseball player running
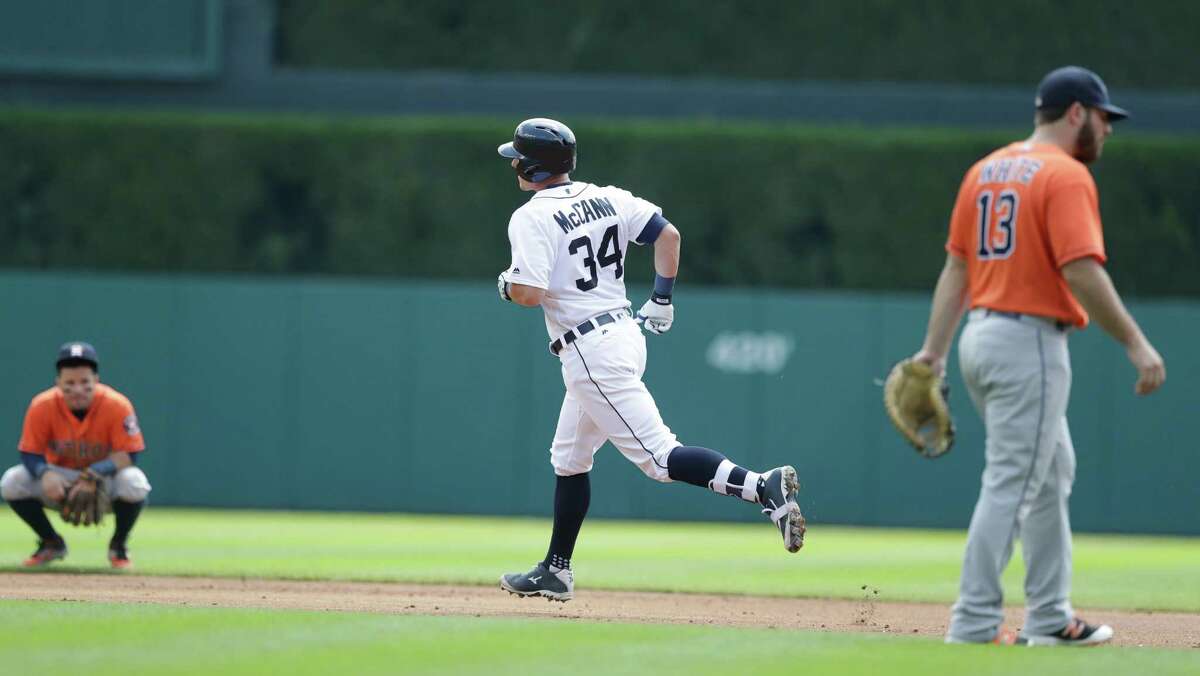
568,256
78,436
1026,256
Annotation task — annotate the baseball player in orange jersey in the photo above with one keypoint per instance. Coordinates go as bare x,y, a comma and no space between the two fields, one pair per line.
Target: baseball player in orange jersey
1026,257
75,430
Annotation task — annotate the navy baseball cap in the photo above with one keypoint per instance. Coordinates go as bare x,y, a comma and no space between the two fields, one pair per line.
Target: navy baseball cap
76,352
1063,86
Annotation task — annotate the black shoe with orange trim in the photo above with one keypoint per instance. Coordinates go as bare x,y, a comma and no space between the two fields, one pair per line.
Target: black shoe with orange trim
47,551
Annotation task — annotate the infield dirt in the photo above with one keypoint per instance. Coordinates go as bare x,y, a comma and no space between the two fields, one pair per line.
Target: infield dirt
1151,629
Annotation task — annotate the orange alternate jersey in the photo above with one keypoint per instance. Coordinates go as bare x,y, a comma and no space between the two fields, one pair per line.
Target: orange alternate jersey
53,431
1022,213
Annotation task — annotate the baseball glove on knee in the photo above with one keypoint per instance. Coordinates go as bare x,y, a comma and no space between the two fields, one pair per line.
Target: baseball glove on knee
86,502
915,399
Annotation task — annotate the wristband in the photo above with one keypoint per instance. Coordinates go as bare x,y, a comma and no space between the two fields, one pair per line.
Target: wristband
663,285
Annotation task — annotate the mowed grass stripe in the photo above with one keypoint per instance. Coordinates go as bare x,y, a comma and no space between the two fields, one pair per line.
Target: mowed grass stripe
1111,571
145,639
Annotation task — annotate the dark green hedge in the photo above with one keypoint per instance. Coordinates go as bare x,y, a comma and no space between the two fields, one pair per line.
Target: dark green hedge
1149,44
758,205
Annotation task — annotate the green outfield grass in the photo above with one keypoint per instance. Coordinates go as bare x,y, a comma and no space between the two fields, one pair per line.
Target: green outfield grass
150,639
1111,571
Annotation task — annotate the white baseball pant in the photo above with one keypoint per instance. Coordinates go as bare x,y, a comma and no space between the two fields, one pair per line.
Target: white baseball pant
606,400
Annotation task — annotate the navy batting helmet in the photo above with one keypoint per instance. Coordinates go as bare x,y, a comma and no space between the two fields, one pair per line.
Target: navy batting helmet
542,148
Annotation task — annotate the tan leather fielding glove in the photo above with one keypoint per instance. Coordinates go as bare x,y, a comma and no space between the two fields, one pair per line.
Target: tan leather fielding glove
86,501
915,399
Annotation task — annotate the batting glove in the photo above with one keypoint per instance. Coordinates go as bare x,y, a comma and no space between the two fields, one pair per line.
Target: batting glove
657,315
502,286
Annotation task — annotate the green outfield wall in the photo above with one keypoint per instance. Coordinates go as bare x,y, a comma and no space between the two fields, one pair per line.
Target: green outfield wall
437,397
1147,45
759,205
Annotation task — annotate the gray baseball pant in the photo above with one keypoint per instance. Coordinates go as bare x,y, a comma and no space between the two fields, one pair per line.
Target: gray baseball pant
1018,373
129,484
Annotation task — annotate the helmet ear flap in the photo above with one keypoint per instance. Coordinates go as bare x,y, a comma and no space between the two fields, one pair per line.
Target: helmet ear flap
533,172
530,170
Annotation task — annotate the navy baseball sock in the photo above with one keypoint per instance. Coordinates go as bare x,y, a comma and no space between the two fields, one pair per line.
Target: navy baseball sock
572,495
709,469
126,513
33,513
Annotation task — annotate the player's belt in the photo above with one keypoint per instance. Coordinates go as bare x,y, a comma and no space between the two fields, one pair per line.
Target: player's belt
1058,324
585,328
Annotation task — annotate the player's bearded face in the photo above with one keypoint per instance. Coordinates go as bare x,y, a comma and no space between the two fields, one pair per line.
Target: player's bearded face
1090,141
78,385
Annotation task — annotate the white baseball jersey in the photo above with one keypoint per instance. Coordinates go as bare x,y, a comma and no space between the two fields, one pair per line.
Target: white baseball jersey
571,241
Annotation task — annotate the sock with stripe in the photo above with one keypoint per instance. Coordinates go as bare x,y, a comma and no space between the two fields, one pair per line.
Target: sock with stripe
710,469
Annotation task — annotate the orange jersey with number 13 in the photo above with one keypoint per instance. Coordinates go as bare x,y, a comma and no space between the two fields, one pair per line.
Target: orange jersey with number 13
1022,213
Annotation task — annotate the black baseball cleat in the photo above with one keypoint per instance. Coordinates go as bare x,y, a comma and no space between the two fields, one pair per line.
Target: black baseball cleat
540,581
47,551
777,495
1077,633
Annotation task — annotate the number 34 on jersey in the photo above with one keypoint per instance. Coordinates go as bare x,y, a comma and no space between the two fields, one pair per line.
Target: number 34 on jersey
609,255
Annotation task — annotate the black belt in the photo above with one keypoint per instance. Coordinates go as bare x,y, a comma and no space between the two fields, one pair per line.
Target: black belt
1058,323
584,329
